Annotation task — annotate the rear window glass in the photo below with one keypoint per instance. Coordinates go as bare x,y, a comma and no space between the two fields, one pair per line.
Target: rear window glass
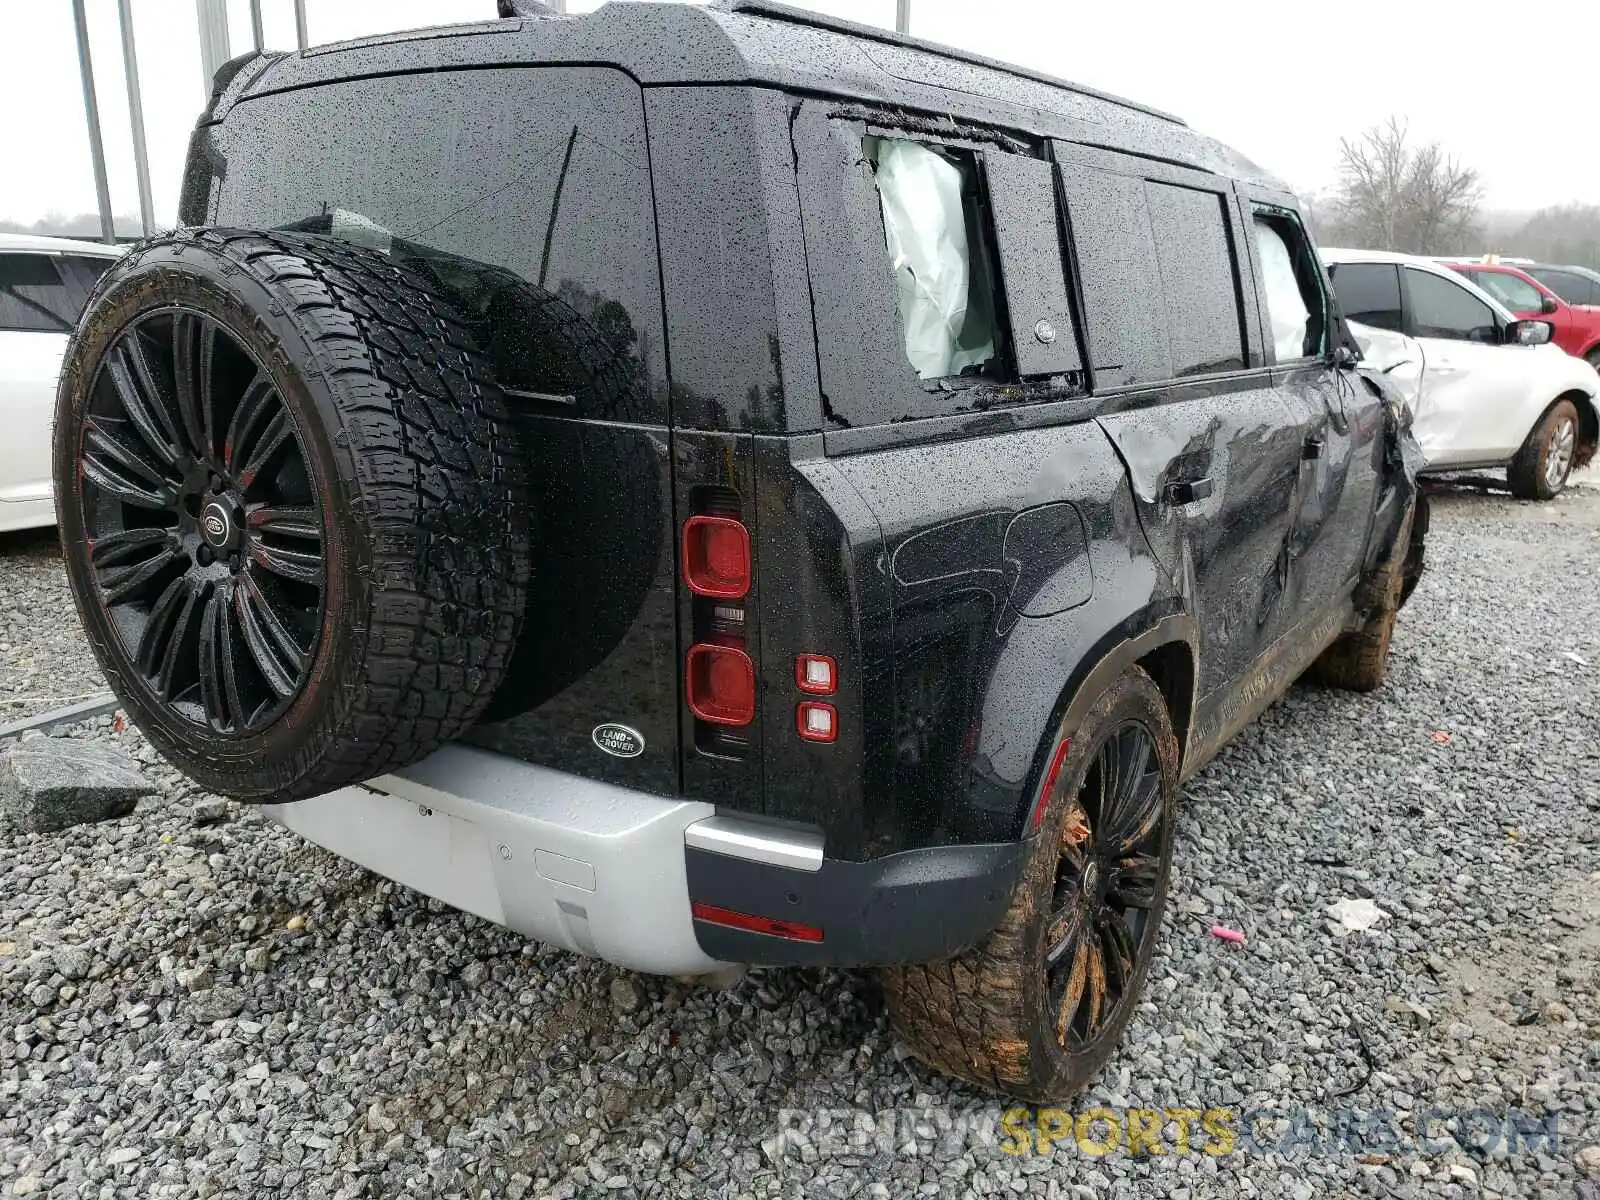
1204,327
1368,293
1516,294
80,273
1161,289
32,295
524,193
1569,285
943,273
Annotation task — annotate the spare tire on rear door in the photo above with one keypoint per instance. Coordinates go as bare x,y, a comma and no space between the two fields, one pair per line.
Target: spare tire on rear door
291,506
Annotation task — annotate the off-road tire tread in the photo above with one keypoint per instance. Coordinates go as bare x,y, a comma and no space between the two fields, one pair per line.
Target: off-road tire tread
970,1015
438,522
1416,556
1359,661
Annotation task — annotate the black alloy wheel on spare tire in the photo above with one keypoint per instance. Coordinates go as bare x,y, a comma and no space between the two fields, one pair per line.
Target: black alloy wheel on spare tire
291,507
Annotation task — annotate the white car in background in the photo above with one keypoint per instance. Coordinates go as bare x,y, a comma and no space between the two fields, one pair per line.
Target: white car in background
1485,389
44,282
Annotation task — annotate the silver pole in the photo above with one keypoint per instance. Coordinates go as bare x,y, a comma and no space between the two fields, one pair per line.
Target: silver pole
902,16
300,23
255,25
141,160
91,110
213,37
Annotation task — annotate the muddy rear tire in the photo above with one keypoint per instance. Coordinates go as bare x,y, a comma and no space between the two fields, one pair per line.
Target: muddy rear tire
1036,1008
291,505
1416,555
1359,661
1541,467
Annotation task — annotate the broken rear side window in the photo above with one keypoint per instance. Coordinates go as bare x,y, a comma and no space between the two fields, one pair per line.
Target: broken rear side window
938,250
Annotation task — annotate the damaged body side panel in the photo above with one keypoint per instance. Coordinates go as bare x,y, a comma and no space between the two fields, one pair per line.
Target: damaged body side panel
1254,481
975,534
1025,538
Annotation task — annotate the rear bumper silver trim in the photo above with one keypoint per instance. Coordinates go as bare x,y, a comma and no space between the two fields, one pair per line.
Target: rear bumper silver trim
593,867
758,841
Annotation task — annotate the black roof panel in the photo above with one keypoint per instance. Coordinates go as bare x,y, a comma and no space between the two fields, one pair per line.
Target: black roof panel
762,43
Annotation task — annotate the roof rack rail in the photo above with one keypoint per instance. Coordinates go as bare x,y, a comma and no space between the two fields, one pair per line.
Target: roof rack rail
775,11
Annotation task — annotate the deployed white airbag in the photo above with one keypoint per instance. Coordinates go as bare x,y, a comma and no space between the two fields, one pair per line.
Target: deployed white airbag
926,231
1286,308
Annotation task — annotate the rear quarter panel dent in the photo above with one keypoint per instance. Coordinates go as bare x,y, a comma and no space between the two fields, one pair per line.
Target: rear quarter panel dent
972,688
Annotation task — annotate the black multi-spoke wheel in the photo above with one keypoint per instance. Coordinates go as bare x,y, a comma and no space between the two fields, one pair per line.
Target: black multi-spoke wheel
204,530
1037,1007
1105,885
291,505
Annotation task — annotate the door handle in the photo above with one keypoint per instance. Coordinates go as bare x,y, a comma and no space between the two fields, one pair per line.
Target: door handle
1189,491
1312,450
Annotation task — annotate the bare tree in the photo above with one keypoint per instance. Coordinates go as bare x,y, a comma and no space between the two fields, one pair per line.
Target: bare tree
1394,195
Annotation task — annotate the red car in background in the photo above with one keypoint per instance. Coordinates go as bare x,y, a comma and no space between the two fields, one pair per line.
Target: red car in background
1577,326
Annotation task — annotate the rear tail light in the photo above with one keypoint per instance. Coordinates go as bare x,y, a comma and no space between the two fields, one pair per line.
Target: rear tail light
721,685
719,570
716,557
795,931
817,722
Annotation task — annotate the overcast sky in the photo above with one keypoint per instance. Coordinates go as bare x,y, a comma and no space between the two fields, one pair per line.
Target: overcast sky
1281,82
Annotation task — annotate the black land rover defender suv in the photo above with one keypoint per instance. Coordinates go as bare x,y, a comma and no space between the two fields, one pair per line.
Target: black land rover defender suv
707,486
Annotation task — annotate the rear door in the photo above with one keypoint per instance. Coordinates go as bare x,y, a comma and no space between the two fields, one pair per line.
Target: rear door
1369,297
1211,443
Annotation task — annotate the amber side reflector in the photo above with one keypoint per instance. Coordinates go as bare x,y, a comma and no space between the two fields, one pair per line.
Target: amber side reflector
721,684
1042,804
716,557
794,931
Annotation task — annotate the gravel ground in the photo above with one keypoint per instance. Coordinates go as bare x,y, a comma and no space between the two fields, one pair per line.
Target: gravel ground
44,660
221,1010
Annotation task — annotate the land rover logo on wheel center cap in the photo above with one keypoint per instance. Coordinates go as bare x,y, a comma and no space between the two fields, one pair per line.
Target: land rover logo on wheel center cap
618,740
215,524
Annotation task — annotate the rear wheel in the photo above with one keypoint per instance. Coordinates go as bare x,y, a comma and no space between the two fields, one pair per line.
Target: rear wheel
1541,467
1421,518
1359,661
1037,1007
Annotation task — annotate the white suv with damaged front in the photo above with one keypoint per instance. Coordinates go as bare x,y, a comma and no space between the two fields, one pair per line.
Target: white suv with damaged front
1485,389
